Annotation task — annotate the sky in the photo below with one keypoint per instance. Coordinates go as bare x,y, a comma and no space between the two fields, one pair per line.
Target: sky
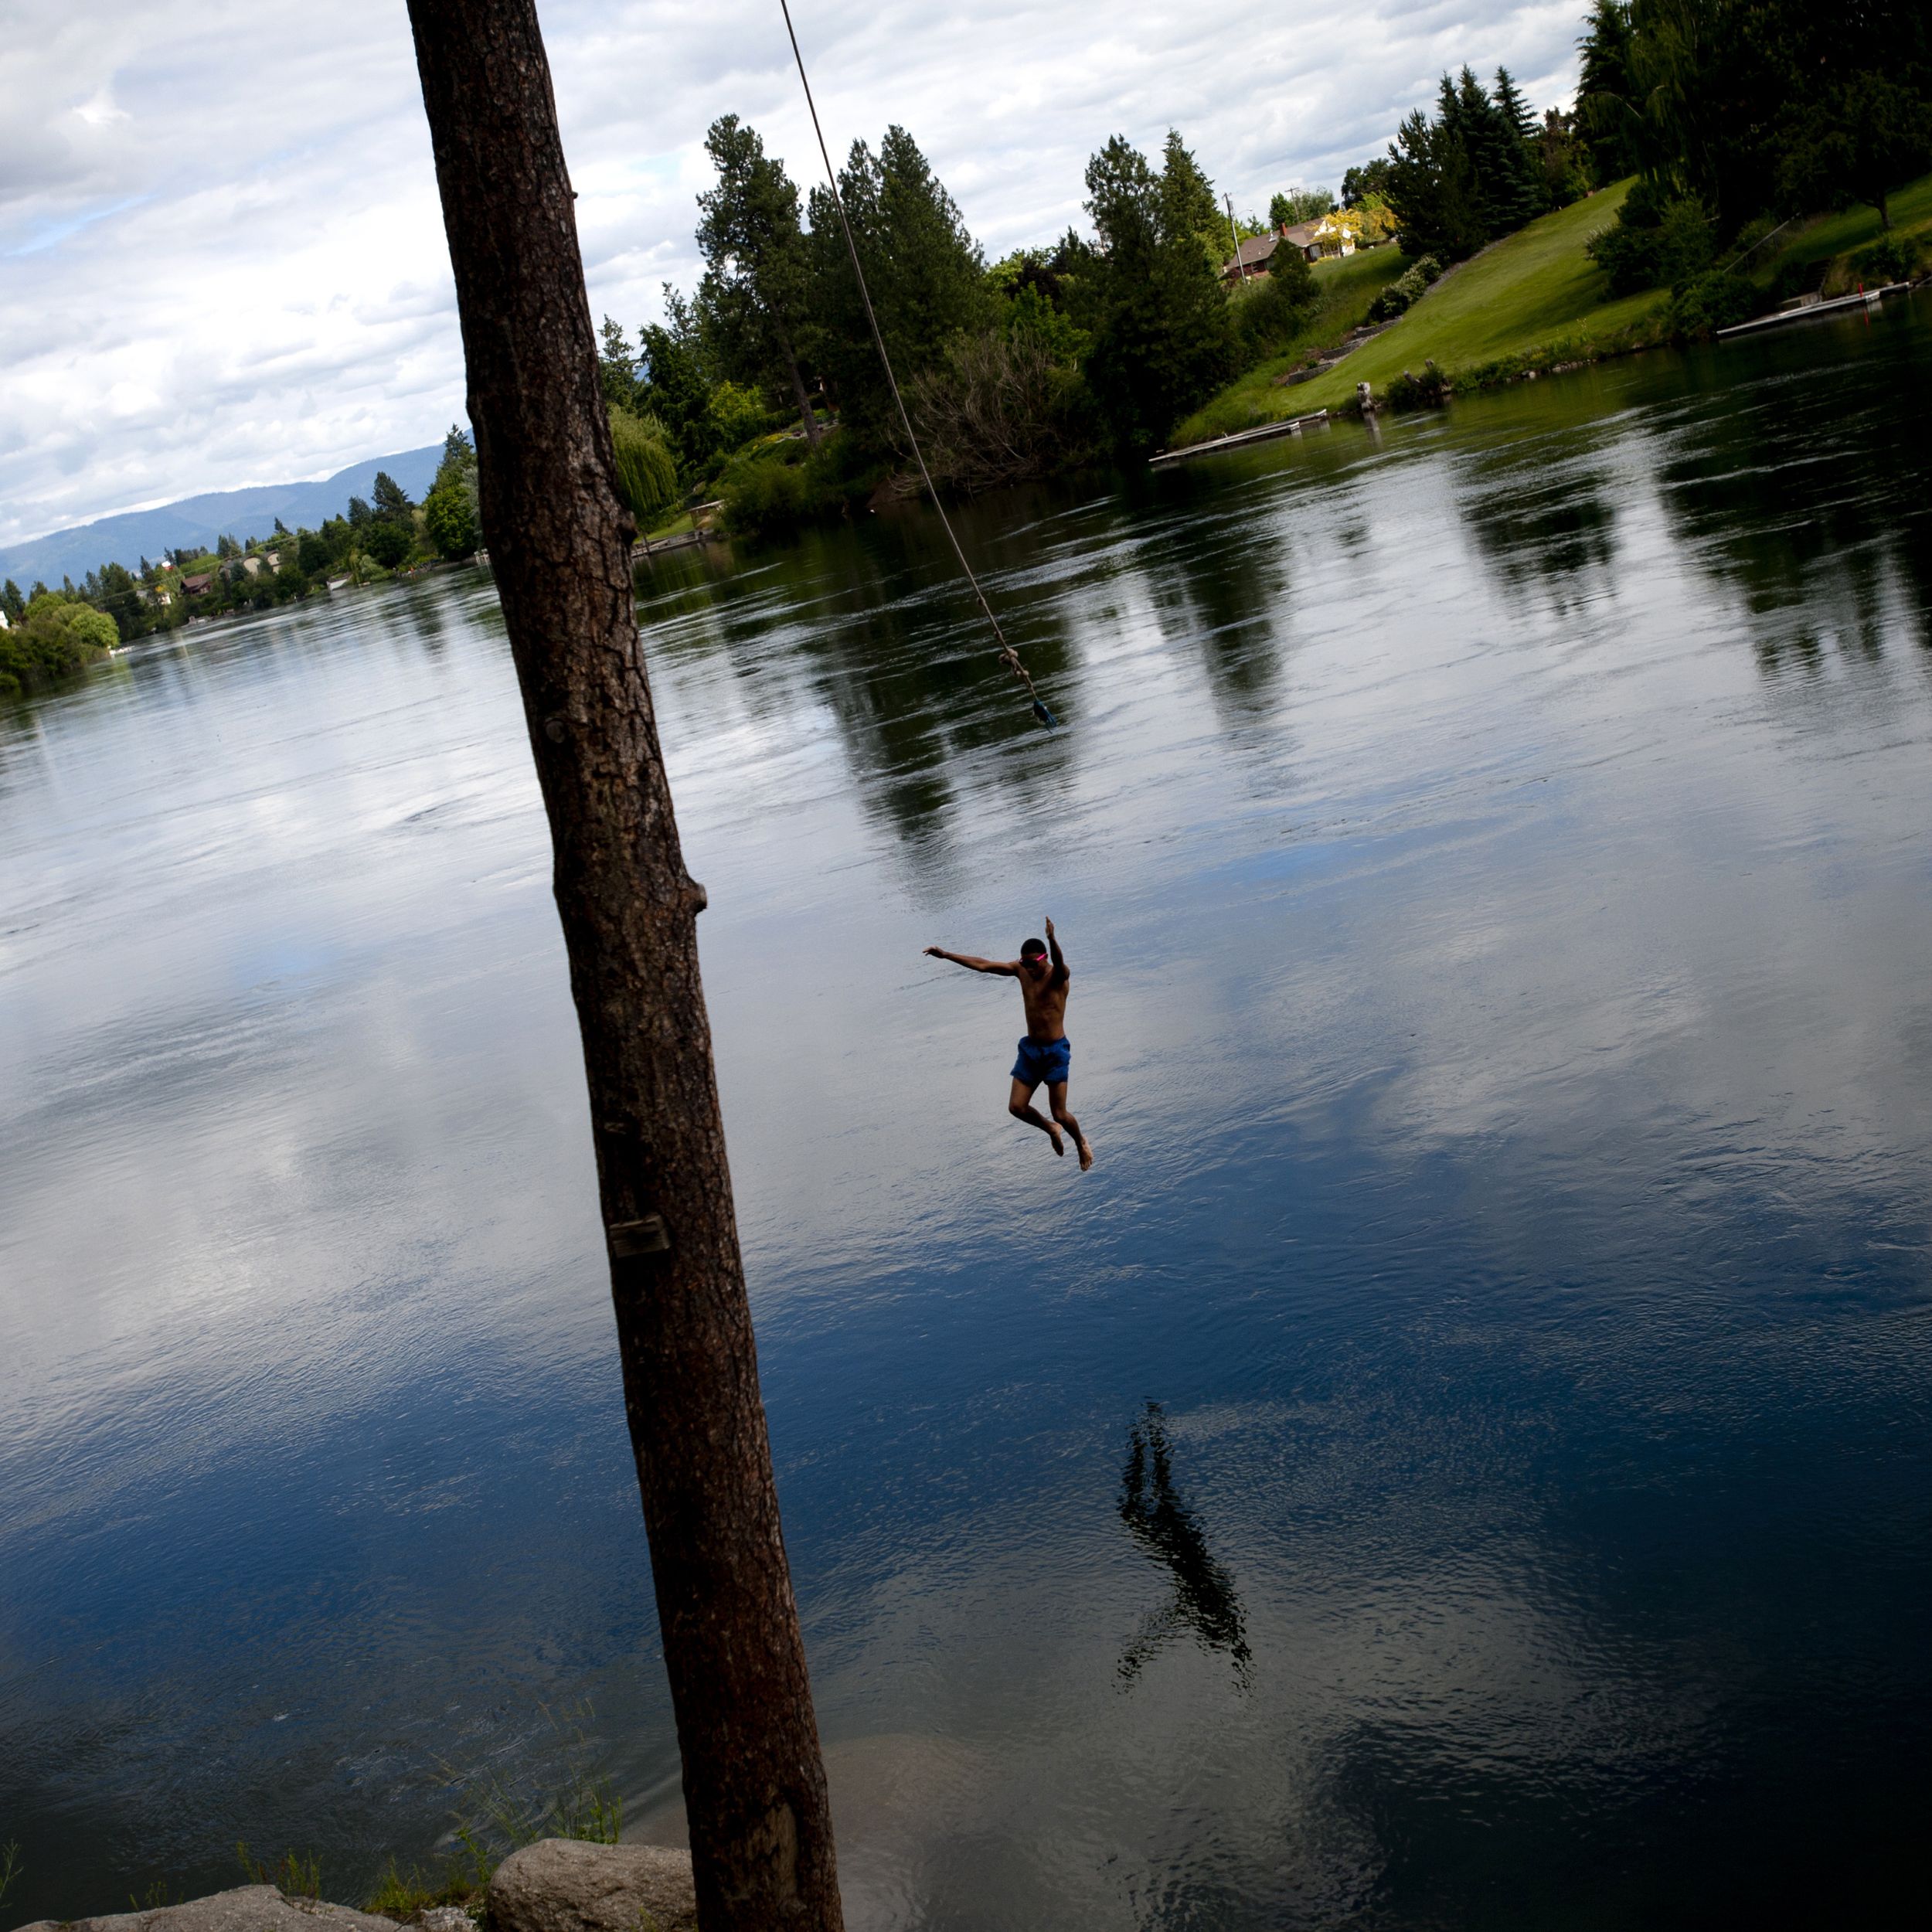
221,259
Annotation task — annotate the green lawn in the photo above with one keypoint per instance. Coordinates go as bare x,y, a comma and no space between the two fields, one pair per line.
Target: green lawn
1911,208
1349,283
1533,290
1535,297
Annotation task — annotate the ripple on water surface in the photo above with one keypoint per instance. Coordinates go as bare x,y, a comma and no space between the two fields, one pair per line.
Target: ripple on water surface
1459,1459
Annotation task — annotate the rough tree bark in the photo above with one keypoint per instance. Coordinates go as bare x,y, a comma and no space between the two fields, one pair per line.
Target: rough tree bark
559,542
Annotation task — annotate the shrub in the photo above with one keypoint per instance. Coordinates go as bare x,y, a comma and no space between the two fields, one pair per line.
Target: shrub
1713,301
388,542
736,416
1271,307
1429,390
1892,258
1002,407
1406,289
1795,277
1655,243
450,517
647,471
58,636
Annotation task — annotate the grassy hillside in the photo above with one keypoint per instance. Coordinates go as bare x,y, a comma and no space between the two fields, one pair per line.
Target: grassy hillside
1534,290
1536,298
1845,234
1349,283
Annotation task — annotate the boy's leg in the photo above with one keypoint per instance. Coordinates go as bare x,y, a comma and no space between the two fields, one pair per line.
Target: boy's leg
1021,1109
1057,1095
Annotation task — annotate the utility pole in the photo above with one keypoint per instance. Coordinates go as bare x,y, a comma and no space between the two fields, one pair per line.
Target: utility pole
1240,267
559,544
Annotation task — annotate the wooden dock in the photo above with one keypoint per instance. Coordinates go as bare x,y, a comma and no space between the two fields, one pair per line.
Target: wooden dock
1237,440
1867,299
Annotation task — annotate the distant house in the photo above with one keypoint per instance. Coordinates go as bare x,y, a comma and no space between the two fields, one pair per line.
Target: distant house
1326,235
195,586
252,564
4,624
1251,258
274,559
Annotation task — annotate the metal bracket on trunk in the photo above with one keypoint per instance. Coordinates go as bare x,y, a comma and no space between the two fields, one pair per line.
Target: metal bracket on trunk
630,1238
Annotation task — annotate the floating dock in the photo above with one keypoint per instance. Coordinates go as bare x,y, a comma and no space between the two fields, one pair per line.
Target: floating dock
1237,439
1867,299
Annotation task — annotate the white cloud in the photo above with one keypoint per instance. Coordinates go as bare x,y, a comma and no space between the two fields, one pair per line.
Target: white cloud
223,253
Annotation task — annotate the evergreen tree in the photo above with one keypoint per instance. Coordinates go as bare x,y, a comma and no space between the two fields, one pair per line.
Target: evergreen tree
1525,196
1188,201
392,502
754,297
1372,178
926,273
675,383
360,514
1163,339
1517,112
617,368
1431,187
13,602
1606,110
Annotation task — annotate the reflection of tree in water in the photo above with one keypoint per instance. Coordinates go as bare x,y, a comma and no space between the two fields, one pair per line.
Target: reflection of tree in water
1810,500
1204,1600
1216,593
1540,521
872,622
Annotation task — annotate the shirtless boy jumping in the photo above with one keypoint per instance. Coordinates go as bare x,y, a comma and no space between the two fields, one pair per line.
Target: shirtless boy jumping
1045,1054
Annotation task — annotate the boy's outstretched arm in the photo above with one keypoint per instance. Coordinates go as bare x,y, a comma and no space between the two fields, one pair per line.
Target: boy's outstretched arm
1009,968
1061,969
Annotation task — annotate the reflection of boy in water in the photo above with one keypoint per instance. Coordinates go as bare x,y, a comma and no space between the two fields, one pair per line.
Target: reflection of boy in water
1204,1600
1045,1054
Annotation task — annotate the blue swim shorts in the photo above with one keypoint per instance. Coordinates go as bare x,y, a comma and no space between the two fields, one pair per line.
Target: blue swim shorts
1044,1062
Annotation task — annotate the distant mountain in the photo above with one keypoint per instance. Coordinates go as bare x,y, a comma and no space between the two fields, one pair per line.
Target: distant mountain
197,521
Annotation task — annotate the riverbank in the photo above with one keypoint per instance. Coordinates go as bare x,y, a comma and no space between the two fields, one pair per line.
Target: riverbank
1536,303
553,1883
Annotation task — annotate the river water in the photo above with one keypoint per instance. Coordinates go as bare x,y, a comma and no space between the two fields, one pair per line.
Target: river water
1492,851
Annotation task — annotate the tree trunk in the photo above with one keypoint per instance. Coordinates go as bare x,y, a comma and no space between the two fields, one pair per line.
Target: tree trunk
559,542
807,415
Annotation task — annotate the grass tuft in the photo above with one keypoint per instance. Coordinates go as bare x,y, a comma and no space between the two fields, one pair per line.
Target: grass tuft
294,1877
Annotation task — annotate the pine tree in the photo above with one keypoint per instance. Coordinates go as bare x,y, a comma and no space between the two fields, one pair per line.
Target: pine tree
925,274
1163,339
1527,196
1432,188
675,381
617,368
754,294
1188,200
392,505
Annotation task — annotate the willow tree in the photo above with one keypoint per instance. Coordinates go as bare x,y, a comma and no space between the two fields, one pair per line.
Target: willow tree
559,542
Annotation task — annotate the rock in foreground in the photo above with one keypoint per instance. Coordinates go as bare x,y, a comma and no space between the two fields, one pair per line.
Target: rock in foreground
563,1885
249,1908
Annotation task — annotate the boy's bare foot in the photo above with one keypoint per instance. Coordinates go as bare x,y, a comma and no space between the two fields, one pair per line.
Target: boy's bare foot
1059,1146
1087,1157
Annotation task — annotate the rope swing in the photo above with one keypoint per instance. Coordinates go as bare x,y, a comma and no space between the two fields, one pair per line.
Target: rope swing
1008,655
